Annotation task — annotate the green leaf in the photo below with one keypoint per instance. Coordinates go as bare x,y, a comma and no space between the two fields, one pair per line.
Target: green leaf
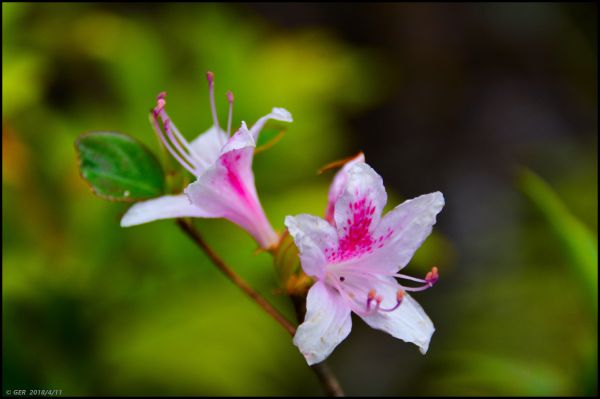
118,167
580,244
497,374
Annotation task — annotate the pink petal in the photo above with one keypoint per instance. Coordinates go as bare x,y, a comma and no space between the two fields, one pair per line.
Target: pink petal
226,189
166,207
338,184
357,211
279,114
206,148
327,323
409,322
315,238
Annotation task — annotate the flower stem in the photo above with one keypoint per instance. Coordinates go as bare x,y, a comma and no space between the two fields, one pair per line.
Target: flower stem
329,382
194,234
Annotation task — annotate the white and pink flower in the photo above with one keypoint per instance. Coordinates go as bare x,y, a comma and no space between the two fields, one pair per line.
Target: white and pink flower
355,256
222,165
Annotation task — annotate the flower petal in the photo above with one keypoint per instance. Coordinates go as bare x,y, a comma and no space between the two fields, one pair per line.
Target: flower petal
358,211
327,323
226,189
409,322
338,185
206,148
279,114
403,230
240,140
166,207
314,237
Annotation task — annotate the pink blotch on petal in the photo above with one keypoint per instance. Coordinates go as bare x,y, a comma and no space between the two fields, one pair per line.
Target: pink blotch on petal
233,177
356,240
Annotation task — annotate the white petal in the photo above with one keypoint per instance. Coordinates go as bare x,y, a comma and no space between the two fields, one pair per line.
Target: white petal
241,139
409,223
313,236
327,323
279,114
364,190
409,322
166,207
206,148
338,184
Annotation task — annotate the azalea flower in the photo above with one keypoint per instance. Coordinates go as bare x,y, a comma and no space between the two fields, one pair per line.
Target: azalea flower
355,259
222,165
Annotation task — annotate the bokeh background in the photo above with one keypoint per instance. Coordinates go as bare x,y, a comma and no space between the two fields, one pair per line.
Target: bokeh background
495,105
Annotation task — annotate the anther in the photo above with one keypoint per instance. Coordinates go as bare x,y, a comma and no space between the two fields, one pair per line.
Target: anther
370,297
210,77
432,276
160,104
400,295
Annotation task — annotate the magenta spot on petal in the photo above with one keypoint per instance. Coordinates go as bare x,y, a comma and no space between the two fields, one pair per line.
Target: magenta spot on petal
233,176
356,239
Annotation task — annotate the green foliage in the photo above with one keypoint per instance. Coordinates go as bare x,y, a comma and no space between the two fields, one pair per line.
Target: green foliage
92,308
580,245
146,299
118,167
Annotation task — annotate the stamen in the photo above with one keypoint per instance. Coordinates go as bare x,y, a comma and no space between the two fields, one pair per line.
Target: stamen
188,153
169,131
210,76
230,116
213,108
170,128
411,278
430,279
181,157
370,297
161,137
399,298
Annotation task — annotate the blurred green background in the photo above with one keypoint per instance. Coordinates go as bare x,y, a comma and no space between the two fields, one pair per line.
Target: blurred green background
494,105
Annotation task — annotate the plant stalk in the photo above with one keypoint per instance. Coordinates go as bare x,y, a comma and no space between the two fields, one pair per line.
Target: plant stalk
327,379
